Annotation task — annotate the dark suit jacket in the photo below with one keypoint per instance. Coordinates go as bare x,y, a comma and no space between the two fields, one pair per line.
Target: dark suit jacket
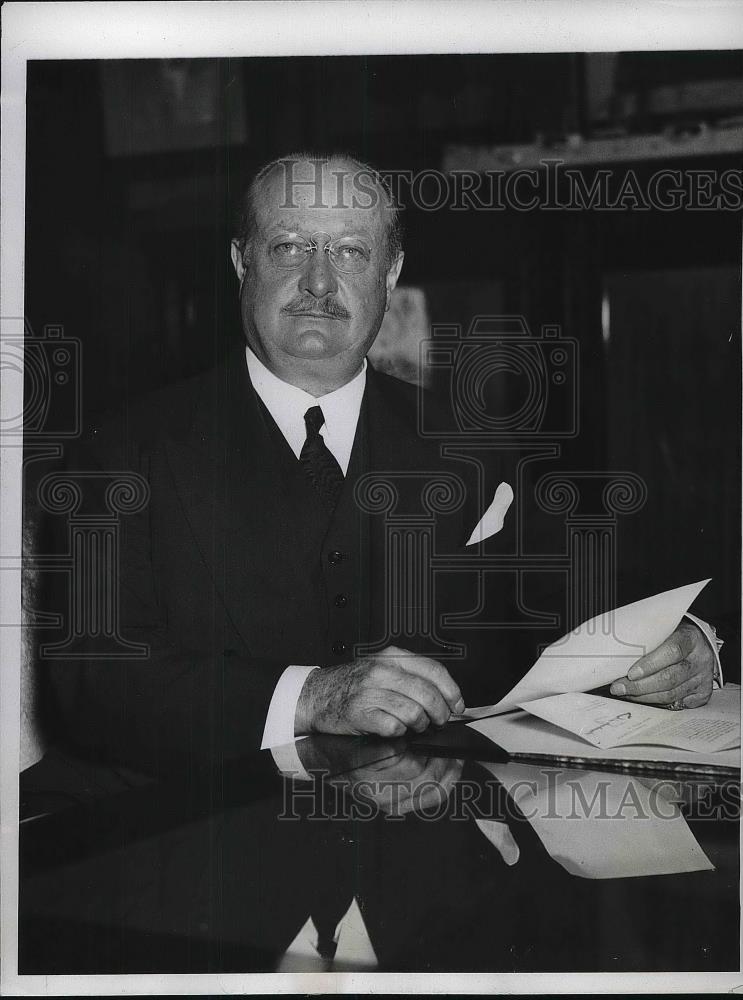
228,575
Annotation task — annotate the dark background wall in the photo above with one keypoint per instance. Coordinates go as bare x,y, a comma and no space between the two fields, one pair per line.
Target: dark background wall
128,239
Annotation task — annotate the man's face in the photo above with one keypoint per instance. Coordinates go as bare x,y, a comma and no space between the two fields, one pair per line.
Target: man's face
313,325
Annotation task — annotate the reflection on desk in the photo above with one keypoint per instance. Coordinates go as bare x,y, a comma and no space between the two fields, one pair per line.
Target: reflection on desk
386,858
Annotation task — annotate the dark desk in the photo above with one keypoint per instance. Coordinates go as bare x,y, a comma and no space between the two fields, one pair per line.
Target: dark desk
449,862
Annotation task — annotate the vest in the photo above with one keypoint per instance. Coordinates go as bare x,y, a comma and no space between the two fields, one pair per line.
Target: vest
317,606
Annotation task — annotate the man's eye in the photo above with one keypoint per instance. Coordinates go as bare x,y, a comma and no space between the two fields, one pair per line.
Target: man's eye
287,249
350,252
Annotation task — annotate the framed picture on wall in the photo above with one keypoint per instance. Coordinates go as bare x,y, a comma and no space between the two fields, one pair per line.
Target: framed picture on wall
162,105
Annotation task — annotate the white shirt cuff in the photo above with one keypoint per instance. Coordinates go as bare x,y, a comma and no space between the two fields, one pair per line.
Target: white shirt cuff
279,727
711,636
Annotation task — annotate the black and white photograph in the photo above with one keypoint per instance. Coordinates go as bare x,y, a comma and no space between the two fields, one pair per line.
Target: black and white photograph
370,442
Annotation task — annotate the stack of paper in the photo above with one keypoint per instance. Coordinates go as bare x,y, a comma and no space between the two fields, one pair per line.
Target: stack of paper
525,735
608,723
564,721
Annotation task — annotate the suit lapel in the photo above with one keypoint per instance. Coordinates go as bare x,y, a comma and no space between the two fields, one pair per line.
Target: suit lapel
396,462
411,464
233,492
394,445
241,507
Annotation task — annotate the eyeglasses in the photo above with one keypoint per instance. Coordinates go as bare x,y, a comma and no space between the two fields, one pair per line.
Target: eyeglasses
349,254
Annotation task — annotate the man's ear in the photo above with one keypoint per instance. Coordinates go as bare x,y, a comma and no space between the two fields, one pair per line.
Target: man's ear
237,260
393,273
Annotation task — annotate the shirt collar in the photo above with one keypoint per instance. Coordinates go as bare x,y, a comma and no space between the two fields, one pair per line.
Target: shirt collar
288,404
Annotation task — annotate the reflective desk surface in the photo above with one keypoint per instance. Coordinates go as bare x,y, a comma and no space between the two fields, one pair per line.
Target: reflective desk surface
387,859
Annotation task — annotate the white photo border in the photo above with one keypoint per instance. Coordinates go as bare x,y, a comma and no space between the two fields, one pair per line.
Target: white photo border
274,28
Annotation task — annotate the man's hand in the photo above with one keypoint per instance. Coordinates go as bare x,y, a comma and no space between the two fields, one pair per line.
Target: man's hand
680,670
404,783
384,694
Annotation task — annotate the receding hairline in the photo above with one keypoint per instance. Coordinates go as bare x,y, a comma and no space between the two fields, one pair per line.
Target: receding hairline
390,213
264,175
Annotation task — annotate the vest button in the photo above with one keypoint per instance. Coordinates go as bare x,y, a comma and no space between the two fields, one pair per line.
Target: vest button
339,648
340,600
335,556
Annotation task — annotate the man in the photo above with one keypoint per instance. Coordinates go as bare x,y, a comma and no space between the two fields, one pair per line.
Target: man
258,559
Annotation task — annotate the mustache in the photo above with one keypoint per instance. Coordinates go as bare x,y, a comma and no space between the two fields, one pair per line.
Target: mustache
327,307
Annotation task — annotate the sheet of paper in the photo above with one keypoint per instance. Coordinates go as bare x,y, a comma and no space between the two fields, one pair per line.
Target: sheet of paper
600,650
603,826
492,520
500,836
608,722
520,732
355,952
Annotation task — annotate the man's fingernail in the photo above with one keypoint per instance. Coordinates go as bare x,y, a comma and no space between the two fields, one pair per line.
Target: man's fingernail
634,673
618,689
459,707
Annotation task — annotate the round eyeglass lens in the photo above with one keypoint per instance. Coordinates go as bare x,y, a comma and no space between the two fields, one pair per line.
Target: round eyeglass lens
348,254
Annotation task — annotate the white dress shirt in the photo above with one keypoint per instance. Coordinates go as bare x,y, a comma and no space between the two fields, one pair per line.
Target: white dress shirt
288,404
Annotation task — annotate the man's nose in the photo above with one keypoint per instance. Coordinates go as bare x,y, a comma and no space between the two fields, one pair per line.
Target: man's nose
318,276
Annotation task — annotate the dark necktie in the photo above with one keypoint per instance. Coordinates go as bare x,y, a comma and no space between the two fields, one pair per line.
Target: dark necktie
318,461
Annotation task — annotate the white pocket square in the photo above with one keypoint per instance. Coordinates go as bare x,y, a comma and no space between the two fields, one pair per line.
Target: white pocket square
492,520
